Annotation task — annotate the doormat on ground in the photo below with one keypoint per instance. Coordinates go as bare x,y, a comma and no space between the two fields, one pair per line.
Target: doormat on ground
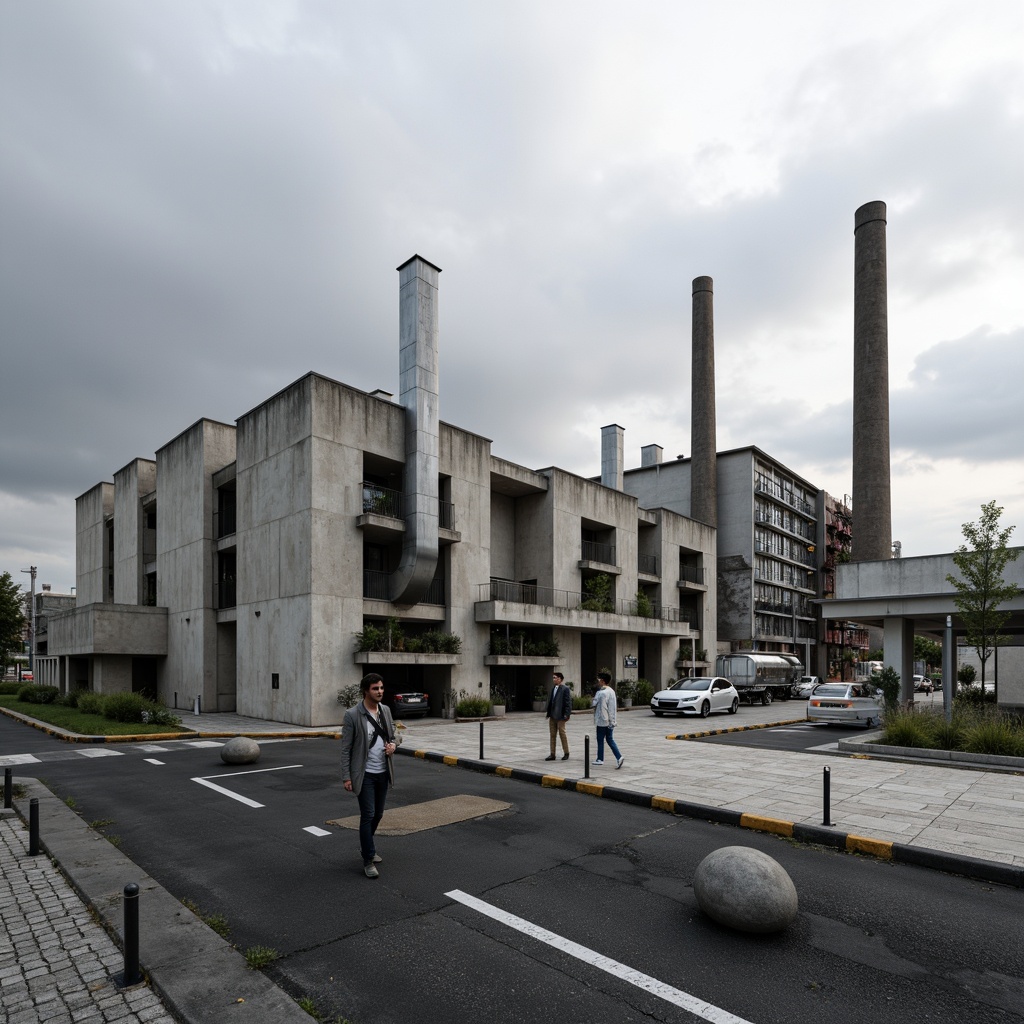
403,821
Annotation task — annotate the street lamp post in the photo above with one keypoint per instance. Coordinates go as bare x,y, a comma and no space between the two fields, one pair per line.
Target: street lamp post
31,570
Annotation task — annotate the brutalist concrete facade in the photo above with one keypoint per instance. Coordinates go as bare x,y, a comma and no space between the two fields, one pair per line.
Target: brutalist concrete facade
239,565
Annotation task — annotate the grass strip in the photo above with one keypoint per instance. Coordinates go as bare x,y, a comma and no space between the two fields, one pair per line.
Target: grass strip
73,720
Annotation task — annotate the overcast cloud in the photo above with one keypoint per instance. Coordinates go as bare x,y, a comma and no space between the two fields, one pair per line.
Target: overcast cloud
202,201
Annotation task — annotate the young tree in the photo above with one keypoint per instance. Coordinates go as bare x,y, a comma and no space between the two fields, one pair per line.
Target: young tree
928,651
981,590
12,618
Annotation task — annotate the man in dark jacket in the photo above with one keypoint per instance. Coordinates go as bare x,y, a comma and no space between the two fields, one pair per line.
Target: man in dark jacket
559,712
368,740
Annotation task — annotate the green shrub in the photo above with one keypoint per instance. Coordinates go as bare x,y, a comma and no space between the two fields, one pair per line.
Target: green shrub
644,692
154,713
472,707
124,707
965,675
68,700
27,693
974,697
10,688
995,736
90,703
888,681
906,729
947,735
581,703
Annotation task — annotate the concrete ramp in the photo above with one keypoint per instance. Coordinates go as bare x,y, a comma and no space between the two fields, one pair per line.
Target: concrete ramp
403,821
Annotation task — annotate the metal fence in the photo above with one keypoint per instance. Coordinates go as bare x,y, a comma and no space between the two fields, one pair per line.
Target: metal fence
571,600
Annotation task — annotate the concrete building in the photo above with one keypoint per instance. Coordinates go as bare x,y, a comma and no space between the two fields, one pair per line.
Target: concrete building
240,564
771,524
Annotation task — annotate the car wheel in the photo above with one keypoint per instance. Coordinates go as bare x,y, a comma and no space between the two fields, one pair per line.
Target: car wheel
705,709
766,697
734,706
869,723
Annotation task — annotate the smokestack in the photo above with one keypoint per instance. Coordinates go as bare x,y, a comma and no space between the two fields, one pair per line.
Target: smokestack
703,432
611,456
417,331
872,511
650,454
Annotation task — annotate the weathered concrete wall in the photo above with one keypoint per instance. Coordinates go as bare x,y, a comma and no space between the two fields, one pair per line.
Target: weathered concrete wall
130,484
503,536
104,628
186,564
92,510
735,608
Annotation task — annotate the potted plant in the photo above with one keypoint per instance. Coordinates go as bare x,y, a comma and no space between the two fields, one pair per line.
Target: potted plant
540,699
626,691
499,700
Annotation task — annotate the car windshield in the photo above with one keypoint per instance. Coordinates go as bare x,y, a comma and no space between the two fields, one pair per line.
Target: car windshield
830,690
691,684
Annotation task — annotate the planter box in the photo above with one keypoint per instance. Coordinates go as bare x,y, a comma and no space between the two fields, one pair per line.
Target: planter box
527,660
403,658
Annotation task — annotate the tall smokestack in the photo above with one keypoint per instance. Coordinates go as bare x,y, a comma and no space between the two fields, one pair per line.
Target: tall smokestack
872,508
612,456
703,431
417,331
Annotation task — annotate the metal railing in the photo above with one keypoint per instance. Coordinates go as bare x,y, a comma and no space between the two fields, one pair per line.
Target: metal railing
775,491
445,514
647,564
224,522
691,574
382,501
226,594
593,551
570,600
377,587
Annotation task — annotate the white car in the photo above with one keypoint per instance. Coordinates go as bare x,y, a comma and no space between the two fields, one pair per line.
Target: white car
699,695
846,704
804,687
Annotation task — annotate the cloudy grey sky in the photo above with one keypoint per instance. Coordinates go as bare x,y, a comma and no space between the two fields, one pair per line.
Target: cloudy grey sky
202,201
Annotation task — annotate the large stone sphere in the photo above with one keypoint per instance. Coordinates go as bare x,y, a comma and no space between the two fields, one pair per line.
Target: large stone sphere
240,750
745,889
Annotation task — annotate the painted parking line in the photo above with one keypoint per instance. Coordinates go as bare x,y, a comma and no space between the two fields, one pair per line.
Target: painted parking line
203,743
9,760
316,830
151,748
152,760
230,775
643,981
100,752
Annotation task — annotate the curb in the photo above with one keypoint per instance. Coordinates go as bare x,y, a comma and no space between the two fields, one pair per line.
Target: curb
201,978
734,728
821,835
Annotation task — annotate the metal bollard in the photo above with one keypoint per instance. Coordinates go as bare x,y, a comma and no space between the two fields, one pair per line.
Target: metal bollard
481,741
8,788
826,817
586,756
33,827
132,975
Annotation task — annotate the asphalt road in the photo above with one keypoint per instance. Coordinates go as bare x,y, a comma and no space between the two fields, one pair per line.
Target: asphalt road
874,942
800,736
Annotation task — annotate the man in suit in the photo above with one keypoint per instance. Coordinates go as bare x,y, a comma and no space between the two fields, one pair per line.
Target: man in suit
368,741
559,712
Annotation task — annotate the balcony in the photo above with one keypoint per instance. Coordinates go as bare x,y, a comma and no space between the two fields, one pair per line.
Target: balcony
691,577
595,555
226,594
377,587
523,604
647,565
384,511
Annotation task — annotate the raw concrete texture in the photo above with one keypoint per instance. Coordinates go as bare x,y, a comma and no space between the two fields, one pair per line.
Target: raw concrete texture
240,750
745,889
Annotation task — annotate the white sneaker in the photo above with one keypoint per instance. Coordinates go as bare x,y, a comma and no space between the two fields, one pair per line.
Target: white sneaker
618,764
597,762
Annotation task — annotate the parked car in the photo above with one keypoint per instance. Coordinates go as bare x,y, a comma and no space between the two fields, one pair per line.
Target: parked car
845,704
698,695
803,687
922,684
407,705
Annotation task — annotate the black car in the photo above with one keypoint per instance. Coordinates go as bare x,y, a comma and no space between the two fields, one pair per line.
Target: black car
407,705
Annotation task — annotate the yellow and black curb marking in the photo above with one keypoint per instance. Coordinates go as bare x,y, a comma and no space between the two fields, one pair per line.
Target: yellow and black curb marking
821,835
734,728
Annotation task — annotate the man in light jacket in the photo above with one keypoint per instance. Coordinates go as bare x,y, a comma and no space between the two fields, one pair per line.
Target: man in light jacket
605,718
368,741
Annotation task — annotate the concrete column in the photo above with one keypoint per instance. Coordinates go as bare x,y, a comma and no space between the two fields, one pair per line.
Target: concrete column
703,431
612,456
898,652
872,513
651,455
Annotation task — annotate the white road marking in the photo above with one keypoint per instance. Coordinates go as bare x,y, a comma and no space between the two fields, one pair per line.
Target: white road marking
152,760
203,743
643,981
102,752
151,748
235,796
11,759
314,830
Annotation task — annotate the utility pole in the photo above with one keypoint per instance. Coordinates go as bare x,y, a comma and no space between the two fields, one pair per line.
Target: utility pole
31,570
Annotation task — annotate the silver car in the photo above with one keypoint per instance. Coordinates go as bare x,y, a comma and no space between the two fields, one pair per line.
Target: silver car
845,704
697,696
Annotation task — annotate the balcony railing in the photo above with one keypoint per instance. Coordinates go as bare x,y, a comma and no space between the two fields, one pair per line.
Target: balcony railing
377,587
224,522
382,501
226,594
777,492
596,552
647,564
445,515
571,600
691,574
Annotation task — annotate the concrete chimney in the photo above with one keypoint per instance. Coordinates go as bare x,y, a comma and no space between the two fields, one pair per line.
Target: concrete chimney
703,431
872,511
651,454
418,394
611,456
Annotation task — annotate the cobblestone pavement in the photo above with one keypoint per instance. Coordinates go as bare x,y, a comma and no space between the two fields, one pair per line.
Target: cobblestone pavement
56,962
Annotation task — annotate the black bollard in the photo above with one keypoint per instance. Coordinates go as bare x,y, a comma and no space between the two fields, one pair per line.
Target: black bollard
132,976
33,827
8,789
586,756
481,741
827,797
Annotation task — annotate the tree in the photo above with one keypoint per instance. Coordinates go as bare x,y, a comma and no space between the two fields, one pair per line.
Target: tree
981,590
12,618
928,651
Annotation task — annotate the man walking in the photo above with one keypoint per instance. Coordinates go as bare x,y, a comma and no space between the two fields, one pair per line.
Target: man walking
368,740
559,712
605,718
